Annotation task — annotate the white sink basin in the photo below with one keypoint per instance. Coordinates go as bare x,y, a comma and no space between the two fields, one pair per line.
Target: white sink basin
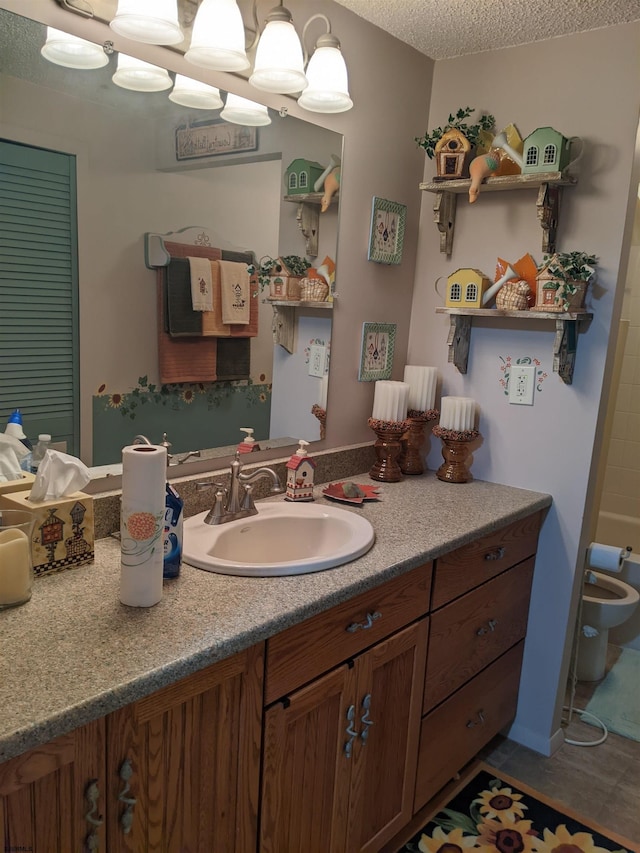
282,539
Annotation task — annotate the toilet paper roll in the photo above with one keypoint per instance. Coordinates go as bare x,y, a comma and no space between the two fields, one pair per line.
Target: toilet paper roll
142,524
607,557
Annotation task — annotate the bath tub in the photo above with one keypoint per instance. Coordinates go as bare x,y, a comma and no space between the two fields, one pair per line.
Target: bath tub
623,531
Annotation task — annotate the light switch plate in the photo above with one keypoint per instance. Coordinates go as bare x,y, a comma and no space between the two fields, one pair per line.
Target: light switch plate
522,385
317,360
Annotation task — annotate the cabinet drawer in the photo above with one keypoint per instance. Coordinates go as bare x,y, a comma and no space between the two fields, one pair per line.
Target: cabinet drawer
474,630
451,735
304,651
466,567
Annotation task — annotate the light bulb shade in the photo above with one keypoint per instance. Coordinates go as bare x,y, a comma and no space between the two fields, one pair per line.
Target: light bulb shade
328,89
217,38
71,51
149,21
138,76
239,110
196,94
279,65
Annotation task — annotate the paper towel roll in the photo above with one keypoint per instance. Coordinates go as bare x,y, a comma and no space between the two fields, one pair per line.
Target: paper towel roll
144,472
606,557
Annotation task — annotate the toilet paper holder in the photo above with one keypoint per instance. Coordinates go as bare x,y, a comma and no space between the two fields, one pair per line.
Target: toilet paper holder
607,557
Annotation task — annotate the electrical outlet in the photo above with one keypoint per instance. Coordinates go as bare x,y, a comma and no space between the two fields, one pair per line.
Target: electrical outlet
522,385
317,360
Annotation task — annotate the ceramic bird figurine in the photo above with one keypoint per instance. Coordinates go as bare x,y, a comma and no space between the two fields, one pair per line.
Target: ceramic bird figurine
480,168
331,187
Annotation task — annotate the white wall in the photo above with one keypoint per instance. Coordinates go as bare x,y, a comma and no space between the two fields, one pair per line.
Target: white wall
550,446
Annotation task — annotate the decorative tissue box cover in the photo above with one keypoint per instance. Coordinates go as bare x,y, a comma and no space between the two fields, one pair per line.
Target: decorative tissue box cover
25,482
284,287
63,533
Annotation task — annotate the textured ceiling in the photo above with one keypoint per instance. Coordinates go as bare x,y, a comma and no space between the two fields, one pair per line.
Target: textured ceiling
442,29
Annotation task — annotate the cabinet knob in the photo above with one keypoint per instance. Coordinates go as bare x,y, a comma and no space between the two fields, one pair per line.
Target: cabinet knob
498,554
471,724
364,626
126,820
491,626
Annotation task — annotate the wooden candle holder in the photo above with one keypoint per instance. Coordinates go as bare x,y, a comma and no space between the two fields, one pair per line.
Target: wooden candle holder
456,451
410,459
321,414
388,449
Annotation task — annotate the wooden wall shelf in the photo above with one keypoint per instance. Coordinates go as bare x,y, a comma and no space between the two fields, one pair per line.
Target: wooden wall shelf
308,217
548,184
564,345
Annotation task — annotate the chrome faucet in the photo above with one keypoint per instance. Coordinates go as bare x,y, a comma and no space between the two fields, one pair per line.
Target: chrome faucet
237,501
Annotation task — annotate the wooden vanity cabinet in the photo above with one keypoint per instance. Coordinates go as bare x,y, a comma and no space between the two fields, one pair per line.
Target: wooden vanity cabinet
480,606
339,753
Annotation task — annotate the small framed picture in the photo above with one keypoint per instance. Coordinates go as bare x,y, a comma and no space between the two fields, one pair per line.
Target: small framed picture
376,360
388,220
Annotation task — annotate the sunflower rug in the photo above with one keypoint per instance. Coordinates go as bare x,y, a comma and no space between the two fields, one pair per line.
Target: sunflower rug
494,813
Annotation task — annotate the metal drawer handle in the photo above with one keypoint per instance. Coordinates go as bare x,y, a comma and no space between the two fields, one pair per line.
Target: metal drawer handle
498,554
92,842
478,721
491,627
353,734
364,719
364,626
126,820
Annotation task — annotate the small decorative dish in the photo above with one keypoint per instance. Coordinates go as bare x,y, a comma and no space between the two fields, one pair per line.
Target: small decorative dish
351,493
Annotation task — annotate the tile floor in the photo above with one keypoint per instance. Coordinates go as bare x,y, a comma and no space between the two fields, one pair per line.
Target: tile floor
601,782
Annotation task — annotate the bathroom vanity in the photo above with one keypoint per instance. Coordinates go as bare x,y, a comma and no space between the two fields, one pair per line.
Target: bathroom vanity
254,714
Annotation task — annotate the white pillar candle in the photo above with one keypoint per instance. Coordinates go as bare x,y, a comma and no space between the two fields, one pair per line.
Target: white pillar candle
422,386
15,567
458,413
390,400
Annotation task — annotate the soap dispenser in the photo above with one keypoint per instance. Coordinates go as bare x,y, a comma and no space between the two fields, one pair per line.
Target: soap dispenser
248,443
300,473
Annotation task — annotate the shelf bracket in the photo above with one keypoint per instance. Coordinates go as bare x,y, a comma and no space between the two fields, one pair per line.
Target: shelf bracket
548,209
444,209
284,327
458,341
564,349
308,218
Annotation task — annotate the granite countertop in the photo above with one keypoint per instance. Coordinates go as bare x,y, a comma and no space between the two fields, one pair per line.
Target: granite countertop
74,653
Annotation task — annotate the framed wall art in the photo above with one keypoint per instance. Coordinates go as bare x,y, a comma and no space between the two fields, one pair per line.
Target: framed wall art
208,138
388,220
376,359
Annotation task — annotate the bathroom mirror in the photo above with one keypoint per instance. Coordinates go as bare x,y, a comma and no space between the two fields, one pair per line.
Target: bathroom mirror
128,183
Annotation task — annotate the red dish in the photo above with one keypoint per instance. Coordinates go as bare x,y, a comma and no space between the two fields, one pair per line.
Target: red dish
335,492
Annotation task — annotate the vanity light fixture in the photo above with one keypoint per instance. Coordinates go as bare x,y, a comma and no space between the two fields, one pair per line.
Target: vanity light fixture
217,38
328,89
72,52
139,76
239,110
279,62
195,94
148,21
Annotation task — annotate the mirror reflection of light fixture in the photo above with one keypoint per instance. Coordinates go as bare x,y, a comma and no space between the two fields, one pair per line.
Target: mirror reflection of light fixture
328,89
195,94
72,52
217,37
152,23
279,63
139,76
239,110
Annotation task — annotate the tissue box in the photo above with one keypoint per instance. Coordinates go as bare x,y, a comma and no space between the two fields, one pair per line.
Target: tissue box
25,482
63,533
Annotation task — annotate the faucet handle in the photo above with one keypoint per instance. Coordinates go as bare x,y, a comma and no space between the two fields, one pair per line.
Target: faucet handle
248,505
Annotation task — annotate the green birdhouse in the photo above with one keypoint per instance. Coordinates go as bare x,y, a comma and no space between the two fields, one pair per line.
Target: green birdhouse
545,150
301,175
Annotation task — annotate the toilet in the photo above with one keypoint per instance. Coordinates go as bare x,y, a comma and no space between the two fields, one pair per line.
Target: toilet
606,603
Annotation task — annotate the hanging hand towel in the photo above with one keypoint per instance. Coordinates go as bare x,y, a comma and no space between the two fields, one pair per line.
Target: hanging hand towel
235,289
212,325
201,285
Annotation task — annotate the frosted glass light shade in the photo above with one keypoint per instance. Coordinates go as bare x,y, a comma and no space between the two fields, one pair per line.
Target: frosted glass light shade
217,38
239,110
196,94
328,89
72,52
279,65
149,21
139,76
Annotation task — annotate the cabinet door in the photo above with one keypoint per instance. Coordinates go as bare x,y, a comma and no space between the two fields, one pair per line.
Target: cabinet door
390,679
52,798
183,764
309,741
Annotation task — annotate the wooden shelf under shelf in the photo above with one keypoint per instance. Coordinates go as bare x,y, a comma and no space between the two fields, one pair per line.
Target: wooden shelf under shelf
298,303
548,184
308,217
564,346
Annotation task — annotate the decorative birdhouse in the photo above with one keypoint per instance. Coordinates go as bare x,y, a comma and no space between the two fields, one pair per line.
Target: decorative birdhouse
283,283
301,175
545,150
300,475
465,288
450,152
547,287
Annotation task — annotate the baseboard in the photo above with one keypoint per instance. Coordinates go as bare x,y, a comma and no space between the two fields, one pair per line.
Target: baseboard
533,740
